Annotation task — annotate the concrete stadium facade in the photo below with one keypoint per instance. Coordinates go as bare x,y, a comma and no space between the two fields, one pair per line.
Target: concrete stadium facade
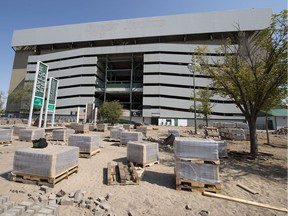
140,62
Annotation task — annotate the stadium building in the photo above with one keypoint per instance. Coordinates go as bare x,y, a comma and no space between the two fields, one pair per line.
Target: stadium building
140,62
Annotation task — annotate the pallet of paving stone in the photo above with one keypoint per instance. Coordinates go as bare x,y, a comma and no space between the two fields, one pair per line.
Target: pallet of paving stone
120,174
48,165
145,164
88,154
62,134
81,128
102,127
144,154
42,180
197,170
6,136
30,134
130,136
88,144
189,185
115,133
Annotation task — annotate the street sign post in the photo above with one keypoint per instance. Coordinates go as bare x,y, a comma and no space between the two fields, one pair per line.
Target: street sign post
38,96
51,99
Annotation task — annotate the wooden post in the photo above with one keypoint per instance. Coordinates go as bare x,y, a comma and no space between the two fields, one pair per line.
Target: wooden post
243,201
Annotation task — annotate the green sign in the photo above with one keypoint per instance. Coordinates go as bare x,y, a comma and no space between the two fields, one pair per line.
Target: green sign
42,72
51,107
53,87
38,102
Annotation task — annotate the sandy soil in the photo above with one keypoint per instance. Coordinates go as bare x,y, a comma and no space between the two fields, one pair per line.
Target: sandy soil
156,194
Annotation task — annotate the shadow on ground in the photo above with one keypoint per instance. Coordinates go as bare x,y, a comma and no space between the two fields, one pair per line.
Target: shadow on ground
260,166
161,179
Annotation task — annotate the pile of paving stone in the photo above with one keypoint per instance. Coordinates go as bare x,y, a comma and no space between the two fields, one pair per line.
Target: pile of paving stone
44,202
281,131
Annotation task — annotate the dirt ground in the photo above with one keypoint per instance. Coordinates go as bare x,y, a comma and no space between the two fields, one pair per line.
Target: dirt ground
156,194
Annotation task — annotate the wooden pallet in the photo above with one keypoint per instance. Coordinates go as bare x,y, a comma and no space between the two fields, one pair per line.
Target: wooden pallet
145,164
88,154
201,161
184,184
122,174
113,140
5,141
82,132
42,180
26,140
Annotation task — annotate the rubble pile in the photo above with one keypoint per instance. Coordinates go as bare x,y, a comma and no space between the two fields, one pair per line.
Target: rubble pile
281,131
45,200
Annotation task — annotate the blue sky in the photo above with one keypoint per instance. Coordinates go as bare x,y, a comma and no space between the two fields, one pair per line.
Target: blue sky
24,14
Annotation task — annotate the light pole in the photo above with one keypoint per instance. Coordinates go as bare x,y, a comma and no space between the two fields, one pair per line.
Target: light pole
190,67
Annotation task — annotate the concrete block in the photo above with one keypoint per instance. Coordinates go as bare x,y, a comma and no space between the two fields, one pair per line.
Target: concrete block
3,199
3,208
26,204
55,208
67,201
46,211
45,188
36,208
29,212
14,211
78,196
21,209
9,204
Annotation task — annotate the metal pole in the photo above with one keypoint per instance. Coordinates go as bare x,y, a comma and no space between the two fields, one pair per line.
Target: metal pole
190,67
195,119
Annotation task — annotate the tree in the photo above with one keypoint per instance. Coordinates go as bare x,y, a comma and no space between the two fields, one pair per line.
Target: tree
2,102
251,70
111,111
21,96
204,108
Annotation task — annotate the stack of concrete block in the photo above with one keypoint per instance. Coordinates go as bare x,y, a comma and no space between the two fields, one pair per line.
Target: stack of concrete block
30,134
6,135
196,160
25,208
92,127
62,134
127,127
102,127
81,128
199,172
142,129
87,143
115,133
233,130
142,152
17,129
11,121
175,132
196,148
222,148
45,162
73,125
130,136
